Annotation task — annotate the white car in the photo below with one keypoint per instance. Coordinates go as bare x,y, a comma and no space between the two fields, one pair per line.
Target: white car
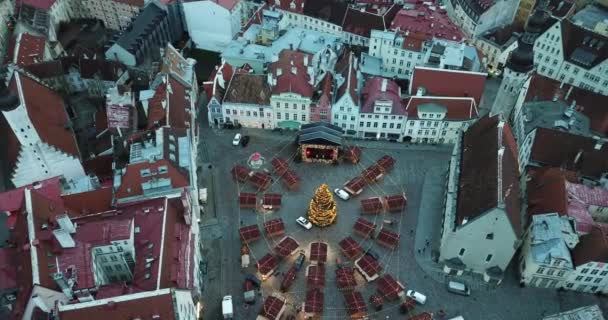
419,297
304,223
341,194
237,139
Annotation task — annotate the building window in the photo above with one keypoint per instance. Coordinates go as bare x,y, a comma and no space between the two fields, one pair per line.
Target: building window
603,273
597,280
585,270
391,125
369,124
560,273
588,279
540,270
360,124
489,236
488,258
570,285
594,271
304,117
398,125
461,252
375,124
550,272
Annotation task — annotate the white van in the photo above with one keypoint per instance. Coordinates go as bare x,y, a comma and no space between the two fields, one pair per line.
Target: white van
419,297
459,288
227,309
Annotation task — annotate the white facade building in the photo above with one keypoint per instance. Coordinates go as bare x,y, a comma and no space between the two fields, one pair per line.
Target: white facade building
345,110
440,120
591,266
382,115
482,224
247,102
115,14
475,17
580,58
213,24
545,260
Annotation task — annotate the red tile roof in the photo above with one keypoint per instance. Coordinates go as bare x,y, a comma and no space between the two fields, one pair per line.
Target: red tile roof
179,105
371,205
8,268
274,227
388,238
315,275
288,81
395,202
372,92
267,263
428,25
348,69
350,248
14,200
157,107
355,185
46,111
314,301
480,172
455,108
362,23
95,201
250,233
546,192
576,153
318,252
592,247
449,83
131,181
574,39
247,199
160,306
29,49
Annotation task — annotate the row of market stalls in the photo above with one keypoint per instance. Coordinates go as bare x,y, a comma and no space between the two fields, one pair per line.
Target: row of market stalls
369,175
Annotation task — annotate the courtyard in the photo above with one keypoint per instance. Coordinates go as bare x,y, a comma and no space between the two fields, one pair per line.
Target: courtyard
419,172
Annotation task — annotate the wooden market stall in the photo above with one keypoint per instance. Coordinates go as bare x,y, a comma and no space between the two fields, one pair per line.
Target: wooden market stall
318,252
368,267
371,205
274,227
355,186
389,288
395,203
350,248
364,228
240,173
250,233
355,305
247,200
388,238
271,201
286,247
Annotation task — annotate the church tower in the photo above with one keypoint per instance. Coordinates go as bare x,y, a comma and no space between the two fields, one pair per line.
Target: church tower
520,64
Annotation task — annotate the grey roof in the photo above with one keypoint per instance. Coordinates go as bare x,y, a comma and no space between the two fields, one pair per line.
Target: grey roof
547,241
590,16
583,313
555,115
146,21
320,132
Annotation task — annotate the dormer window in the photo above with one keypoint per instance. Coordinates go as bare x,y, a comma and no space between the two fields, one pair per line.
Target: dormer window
163,169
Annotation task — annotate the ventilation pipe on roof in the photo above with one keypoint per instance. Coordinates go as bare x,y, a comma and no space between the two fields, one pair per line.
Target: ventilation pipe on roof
384,84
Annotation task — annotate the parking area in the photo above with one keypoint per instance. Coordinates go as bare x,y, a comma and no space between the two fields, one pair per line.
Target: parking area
419,172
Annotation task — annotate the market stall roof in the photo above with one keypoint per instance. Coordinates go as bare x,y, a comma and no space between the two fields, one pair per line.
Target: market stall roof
272,308
268,263
354,302
272,199
247,199
368,265
345,278
350,248
240,173
388,238
260,180
286,246
386,162
371,205
279,165
274,227
355,185
250,233
314,301
395,202
320,133
389,288
372,173
364,227
318,252
315,275
291,179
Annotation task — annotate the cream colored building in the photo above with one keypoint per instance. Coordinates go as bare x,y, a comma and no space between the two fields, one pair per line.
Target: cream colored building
115,14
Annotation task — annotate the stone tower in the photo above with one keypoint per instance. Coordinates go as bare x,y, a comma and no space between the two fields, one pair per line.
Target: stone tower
520,64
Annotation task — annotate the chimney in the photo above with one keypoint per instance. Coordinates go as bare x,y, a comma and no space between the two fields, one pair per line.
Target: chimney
599,143
279,72
384,84
420,91
305,60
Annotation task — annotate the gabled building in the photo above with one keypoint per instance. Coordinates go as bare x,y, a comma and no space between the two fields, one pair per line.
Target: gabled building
545,260
590,259
345,109
215,89
143,38
574,51
40,141
474,17
432,119
115,14
496,45
448,83
26,49
482,227
382,115
247,101
213,24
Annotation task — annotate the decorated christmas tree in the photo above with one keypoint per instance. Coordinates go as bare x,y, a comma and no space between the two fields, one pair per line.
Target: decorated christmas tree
322,210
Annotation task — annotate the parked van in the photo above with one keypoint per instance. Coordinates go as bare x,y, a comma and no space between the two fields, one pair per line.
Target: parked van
459,288
419,297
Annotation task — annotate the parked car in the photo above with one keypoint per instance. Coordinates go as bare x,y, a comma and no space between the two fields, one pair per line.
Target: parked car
304,223
459,288
300,260
341,194
237,139
419,297
228,125
244,141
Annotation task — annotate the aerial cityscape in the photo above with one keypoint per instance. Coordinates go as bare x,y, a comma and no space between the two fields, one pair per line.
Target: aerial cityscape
303,159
